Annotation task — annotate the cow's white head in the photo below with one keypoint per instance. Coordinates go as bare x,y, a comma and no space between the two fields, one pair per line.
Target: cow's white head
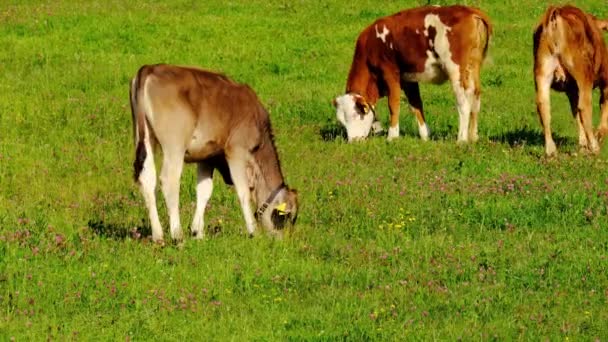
355,114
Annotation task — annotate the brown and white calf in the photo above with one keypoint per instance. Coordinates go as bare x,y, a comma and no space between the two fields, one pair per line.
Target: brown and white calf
570,56
427,44
202,117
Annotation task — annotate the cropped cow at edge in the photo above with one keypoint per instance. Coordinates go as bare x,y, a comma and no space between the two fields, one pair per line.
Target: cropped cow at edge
427,44
202,117
570,56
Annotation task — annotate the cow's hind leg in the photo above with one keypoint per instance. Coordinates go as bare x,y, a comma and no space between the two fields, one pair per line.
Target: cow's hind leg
147,184
173,163
204,188
237,162
412,92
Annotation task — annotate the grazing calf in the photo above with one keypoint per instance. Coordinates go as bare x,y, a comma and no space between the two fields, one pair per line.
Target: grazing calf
202,117
570,56
427,44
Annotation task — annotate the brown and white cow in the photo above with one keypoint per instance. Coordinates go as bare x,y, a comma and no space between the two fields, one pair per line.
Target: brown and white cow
202,117
427,44
570,56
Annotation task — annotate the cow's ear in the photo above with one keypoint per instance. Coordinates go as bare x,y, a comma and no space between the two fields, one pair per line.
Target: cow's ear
361,104
334,103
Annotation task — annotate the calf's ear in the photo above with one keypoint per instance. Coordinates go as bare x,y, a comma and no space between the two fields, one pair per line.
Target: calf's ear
334,103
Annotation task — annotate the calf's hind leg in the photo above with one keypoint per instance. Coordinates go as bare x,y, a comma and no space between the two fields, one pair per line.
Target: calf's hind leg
147,185
462,91
173,162
603,127
475,106
543,71
586,113
572,93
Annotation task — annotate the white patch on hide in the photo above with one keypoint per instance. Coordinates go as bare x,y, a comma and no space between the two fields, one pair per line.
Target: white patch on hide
382,35
441,43
433,71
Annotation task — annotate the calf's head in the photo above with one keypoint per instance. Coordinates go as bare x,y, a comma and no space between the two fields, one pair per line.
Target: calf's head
355,114
277,204
280,210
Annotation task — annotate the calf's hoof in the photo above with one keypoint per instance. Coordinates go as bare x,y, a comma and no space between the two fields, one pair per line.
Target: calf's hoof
601,134
550,149
393,133
197,235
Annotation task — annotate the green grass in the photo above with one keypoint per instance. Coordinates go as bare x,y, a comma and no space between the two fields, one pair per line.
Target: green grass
403,240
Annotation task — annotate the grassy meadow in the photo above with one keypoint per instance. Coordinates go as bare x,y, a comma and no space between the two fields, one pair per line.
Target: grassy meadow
406,240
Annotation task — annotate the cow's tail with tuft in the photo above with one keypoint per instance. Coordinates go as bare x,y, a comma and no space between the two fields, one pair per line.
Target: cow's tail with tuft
139,124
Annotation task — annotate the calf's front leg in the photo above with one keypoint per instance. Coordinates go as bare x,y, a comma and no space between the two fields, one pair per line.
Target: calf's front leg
204,188
412,92
394,94
237,162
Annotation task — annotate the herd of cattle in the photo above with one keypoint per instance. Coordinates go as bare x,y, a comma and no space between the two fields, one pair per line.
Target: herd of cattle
202,117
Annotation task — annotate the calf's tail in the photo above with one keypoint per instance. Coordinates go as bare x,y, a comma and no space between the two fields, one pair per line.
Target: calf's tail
552,27
139,124
484,30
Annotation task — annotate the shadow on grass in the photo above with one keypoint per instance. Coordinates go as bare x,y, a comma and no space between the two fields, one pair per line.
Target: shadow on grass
332,131
527,136
119,231
519,137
